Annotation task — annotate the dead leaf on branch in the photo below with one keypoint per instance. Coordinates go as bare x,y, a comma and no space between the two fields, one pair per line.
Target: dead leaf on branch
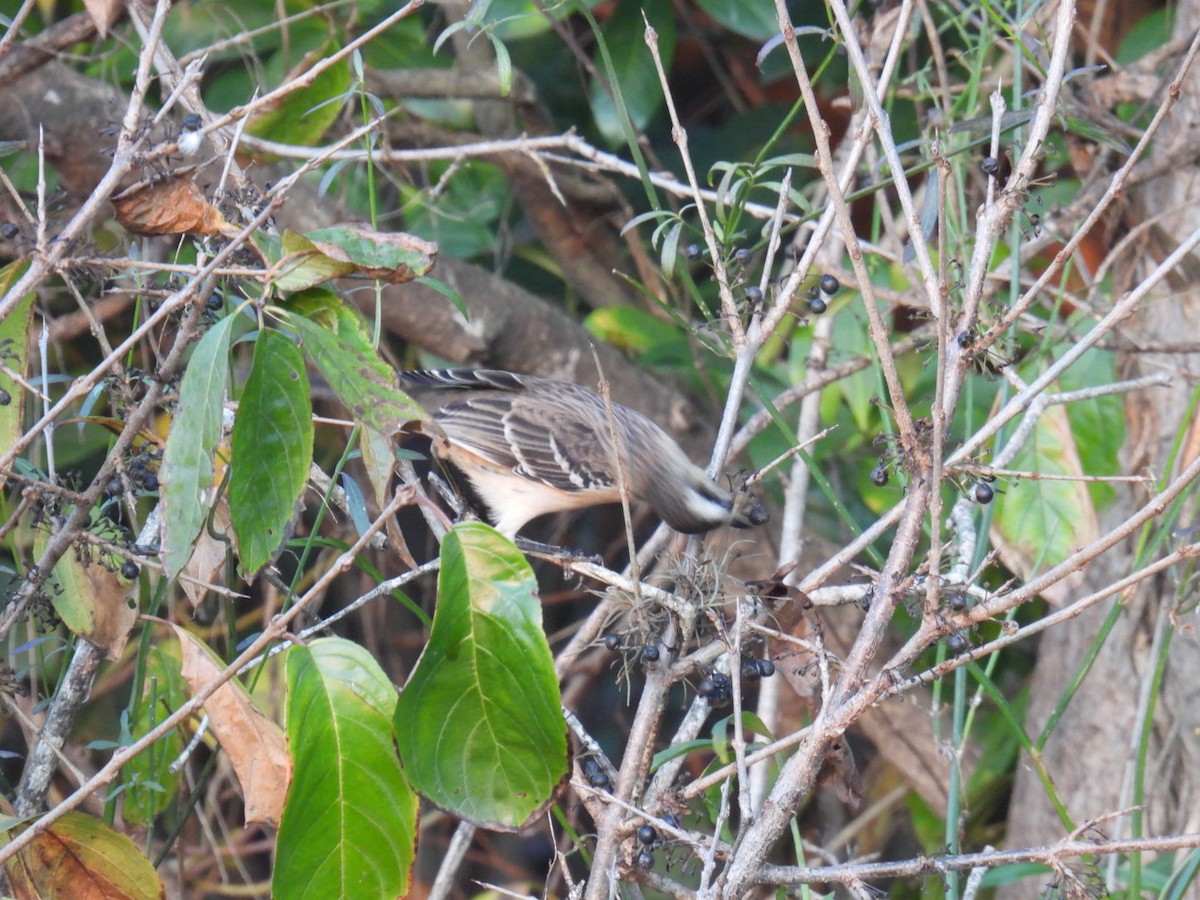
206,565
839,774
170,205
91,598
103,14
85,859
257,747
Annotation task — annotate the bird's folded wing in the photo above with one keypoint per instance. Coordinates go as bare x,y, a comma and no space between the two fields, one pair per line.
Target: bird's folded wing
547,442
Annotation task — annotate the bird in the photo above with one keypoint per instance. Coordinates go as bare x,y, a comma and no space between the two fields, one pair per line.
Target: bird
531,446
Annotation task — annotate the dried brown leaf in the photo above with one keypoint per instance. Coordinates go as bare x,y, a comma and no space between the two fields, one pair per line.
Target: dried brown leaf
103,14
257,747
170,205
82,858
207,562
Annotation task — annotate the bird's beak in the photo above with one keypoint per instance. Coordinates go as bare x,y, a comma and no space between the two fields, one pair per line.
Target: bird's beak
747,512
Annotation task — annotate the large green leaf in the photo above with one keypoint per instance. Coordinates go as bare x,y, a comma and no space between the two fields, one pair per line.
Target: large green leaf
14,353
187,471
636,77
479,724
349,826
335,338
272,449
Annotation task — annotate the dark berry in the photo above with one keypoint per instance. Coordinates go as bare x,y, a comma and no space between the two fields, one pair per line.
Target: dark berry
673,820
964,340
130,569
647,835
612,642
595,775
9,230
817,306
742,256
957,602
216,301
957,643
722,689
879,476
990,165
692,251
983,493
650,654
754,295
766,668
645,859
113,487
830,285
750,670
150,481
5,397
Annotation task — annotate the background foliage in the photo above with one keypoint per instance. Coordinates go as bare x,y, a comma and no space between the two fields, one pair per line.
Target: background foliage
922,270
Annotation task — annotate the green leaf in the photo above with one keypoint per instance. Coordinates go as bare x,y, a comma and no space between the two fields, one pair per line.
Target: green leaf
637,331
335,338
851,338
669,254
1097,423
14,353
479,724
326,253
272,449
304,266
349,825
753,20
1039,523
187,470
1151,32
503,63
304,115
636,78
391,256
448,292
150,783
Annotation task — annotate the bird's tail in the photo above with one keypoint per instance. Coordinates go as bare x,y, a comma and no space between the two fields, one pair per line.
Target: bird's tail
464,379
